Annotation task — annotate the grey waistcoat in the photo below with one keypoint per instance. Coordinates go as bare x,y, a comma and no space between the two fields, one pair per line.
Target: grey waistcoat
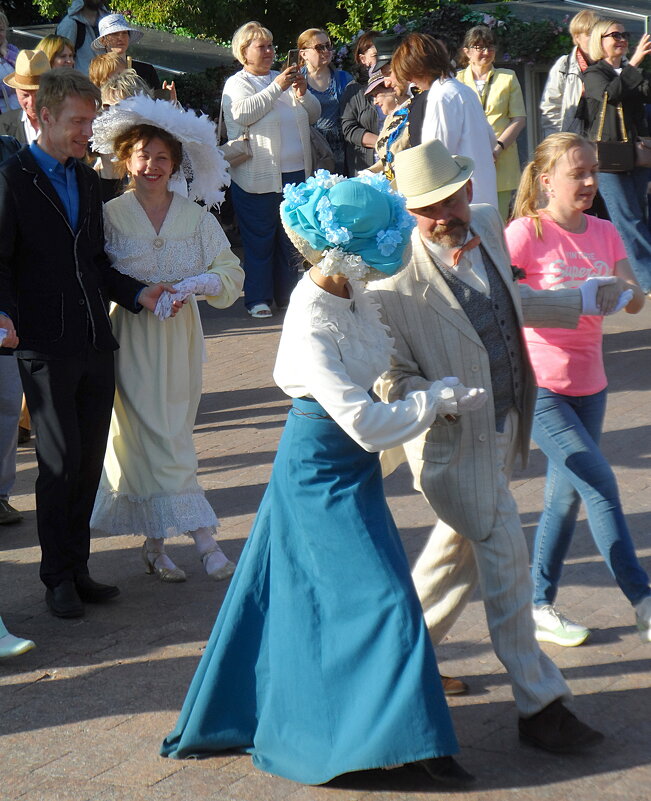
496,323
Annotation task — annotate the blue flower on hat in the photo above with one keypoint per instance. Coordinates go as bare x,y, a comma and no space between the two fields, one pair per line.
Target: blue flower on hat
388,241
361,216
335,234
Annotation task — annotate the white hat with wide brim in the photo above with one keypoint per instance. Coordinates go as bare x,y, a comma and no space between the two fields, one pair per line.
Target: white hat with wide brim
427,173
204,165
114,23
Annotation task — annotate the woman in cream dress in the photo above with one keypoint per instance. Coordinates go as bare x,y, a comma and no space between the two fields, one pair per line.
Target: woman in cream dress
149,485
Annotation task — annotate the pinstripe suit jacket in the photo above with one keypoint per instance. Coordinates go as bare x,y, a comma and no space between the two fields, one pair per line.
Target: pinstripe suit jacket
454,464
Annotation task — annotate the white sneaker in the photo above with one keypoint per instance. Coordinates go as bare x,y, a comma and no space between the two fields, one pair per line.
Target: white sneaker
643,618
551,626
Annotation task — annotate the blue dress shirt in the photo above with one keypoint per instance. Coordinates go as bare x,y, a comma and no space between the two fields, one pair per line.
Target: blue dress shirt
63,178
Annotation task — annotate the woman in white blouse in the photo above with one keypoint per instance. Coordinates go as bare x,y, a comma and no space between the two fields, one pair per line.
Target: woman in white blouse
276,110
319,663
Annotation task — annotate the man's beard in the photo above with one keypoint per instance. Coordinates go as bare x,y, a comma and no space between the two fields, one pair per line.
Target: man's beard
451,235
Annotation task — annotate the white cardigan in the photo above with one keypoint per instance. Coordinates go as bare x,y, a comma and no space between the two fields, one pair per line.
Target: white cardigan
246,108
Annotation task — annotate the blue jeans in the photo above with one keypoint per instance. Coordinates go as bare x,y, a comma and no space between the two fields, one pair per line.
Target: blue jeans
626,201
270,260
567,430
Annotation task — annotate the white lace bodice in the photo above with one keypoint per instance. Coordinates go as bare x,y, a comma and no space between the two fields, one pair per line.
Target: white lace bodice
352,324
188,243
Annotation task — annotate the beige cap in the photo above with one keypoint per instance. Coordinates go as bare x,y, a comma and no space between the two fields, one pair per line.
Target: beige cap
427,173
30,65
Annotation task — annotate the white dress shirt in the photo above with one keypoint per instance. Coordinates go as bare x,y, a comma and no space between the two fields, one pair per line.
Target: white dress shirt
470,268
31,134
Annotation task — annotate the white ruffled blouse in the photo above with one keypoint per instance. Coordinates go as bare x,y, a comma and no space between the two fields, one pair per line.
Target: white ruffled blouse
333,349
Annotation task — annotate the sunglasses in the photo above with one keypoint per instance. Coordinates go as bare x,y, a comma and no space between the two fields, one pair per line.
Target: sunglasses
482,48
618,36
321,48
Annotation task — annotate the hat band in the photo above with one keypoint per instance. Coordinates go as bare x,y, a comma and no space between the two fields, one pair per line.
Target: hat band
25,80
427,188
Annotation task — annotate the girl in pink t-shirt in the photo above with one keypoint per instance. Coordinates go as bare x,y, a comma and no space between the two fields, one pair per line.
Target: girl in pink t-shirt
557,245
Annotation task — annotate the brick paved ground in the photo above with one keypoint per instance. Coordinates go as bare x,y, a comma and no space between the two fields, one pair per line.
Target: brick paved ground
82,716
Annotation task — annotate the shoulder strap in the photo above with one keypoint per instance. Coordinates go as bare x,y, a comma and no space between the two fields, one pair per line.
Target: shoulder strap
81,35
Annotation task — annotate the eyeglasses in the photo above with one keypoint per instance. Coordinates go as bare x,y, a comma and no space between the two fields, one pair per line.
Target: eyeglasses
482,48
321,48
618,36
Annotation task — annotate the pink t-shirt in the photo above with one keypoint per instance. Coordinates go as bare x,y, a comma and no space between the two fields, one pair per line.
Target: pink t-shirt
566,361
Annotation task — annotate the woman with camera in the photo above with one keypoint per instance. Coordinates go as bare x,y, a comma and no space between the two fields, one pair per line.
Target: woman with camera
276,111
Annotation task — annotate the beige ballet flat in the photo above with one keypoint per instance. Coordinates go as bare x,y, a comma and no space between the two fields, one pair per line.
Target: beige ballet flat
173,575
224,570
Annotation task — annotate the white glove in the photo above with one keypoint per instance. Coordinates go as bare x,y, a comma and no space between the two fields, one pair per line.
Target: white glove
452,397
589,291
624,299
204,284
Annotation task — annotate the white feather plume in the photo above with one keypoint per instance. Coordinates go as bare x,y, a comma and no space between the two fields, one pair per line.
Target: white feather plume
197,135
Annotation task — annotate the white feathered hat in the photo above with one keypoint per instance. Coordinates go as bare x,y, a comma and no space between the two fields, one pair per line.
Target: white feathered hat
204,167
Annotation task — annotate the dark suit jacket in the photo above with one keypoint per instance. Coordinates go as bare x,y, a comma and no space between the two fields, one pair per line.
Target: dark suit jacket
55,283
11,124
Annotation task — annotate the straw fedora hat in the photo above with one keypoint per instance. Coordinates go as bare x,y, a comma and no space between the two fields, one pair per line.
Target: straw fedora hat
30,65
427,173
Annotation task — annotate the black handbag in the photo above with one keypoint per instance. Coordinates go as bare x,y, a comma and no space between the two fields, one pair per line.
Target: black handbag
614,156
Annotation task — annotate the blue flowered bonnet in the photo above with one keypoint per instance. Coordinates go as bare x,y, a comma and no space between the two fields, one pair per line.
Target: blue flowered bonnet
348,226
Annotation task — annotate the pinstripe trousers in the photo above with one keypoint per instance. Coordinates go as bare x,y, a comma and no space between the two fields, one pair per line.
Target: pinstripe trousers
449,567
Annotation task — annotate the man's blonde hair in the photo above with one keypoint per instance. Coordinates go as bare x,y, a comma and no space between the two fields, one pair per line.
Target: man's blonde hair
57,85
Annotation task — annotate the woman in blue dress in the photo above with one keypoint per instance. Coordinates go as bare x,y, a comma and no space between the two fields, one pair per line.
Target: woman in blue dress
319,663
327,84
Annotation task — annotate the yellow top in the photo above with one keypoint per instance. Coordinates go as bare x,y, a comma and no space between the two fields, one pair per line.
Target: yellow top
502,101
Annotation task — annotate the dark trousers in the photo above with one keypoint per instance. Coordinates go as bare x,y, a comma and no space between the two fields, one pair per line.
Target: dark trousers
70,400
270,260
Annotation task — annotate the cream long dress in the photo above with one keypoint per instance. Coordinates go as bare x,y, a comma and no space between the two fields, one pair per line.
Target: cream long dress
149,483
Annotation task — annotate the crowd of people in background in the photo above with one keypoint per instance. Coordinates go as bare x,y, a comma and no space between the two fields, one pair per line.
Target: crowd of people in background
425,172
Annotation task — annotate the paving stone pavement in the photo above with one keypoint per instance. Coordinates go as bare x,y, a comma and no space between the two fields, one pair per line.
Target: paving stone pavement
82,715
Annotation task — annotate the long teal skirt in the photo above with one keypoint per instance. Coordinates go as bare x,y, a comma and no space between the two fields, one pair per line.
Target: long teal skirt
319,663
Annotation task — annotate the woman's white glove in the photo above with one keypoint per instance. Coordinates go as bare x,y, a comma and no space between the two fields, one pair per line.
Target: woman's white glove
452,397
203,284
589,291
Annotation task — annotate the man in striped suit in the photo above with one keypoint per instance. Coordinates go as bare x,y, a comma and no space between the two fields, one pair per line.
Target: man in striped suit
457,310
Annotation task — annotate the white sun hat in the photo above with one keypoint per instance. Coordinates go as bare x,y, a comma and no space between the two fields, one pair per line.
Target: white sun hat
114,23
204,167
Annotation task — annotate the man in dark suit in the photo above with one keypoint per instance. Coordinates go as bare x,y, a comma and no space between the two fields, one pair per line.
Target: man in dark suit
22,123
55,281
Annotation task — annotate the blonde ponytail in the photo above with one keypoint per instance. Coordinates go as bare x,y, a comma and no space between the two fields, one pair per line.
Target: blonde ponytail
530,198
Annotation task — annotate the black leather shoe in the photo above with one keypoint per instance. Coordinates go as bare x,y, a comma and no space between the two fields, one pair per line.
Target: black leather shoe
556,729
446,772
63,600
92,592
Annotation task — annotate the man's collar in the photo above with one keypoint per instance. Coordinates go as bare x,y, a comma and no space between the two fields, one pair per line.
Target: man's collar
47,162
441,253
